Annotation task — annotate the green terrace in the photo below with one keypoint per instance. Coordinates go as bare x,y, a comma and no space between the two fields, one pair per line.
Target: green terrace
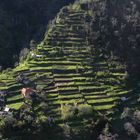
68,72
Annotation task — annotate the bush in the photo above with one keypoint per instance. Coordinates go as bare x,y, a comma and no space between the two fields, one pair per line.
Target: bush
68,111
33,44
43,106
42,119
136,120
6,125
67,130
126,113
23,54
2,124
85,110
130,130
19,124
136,116
107,135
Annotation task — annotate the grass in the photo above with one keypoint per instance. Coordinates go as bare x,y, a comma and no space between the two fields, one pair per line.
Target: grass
106,100
67,88
85,110
66,97
104,107
3,88
72,101
92,88
15,97
41,68
15,106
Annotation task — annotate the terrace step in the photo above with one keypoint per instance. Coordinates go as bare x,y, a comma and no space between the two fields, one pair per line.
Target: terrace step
78,101
96,97
102,101
63,79
104,107
70,97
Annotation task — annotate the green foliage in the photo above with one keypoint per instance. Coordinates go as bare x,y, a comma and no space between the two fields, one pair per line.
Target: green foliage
19,124
85,110
43,106
68,111
2,124
71,111
126,113
23,54
28,22
42,120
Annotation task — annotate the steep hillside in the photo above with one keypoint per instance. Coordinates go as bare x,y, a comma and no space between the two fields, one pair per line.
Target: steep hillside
79,83
67,60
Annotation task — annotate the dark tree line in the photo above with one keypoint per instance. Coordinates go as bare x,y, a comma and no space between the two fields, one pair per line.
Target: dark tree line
22,21
116,29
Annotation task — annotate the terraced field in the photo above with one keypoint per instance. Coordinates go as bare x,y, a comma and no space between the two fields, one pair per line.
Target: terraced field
68,71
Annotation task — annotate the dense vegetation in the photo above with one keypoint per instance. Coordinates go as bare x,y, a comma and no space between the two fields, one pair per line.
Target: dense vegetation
116,29
82,74
22,21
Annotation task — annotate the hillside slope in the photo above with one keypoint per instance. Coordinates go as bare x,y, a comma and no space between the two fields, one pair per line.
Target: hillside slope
67,69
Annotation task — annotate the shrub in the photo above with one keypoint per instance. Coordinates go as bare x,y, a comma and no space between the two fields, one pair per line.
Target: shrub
33,44
85,110
23,54
42,119
2,124
43,106
126,113
6,125
130,129
136,120
136,116
40,87
68,111
19,124
67,130
107,135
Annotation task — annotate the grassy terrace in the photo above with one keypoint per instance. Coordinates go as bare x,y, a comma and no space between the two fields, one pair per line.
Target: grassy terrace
75,73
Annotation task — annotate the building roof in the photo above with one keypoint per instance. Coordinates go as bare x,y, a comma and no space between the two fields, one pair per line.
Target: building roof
26,91
6,109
